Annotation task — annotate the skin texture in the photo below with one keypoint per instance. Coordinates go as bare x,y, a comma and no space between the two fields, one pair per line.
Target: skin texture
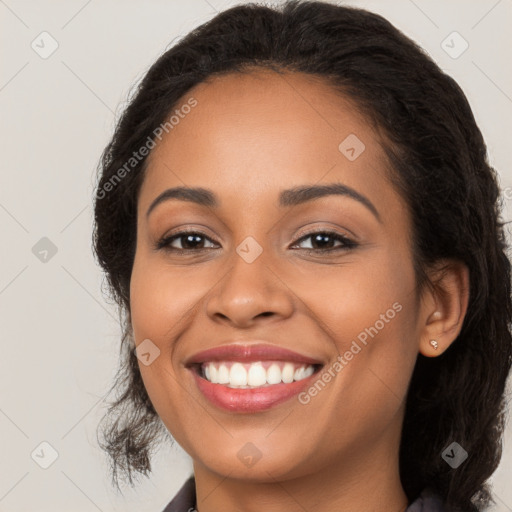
249,137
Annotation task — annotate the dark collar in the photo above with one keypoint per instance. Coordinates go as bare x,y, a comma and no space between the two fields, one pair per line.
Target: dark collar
185,500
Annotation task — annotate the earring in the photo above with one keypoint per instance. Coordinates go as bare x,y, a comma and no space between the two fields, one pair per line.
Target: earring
434,344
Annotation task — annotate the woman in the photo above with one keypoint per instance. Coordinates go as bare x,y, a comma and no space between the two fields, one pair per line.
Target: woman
298,221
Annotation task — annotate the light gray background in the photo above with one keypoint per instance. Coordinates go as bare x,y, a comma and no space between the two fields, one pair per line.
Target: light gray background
59,335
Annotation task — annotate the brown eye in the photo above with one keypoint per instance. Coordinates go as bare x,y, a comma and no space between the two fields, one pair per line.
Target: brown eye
325,240
185,241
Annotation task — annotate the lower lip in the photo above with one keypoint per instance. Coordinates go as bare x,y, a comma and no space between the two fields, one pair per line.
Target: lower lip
250,400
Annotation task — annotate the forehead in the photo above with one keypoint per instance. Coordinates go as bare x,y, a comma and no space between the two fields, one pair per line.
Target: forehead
251,134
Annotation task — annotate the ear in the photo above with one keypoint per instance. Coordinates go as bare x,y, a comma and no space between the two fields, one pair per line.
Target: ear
444,306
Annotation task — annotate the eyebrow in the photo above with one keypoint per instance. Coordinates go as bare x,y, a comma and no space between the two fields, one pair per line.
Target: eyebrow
287,198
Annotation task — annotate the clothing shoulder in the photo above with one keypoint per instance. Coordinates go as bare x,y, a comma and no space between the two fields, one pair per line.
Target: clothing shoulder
428,501
185,499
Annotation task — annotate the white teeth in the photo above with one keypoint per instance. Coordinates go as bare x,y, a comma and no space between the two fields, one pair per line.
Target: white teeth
308,372
223,374
274,374
238,375
257,374
288,371
299,374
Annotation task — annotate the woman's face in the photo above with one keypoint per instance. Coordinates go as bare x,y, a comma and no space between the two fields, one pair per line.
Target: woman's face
256,273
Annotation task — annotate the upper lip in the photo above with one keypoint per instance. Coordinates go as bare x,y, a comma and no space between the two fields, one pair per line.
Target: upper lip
248,353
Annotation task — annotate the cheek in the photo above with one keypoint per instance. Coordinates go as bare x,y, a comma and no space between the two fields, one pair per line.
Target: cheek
368,312
379,312
360,295
161,304
163,300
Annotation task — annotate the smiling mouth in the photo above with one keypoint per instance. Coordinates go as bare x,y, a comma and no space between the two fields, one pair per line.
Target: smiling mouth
254,375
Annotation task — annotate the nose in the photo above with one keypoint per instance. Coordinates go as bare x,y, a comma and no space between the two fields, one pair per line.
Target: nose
250,293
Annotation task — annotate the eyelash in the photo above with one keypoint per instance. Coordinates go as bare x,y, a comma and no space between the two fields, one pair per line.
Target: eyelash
165,242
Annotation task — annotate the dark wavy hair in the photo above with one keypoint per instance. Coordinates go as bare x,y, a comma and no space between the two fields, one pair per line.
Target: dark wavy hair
438,163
